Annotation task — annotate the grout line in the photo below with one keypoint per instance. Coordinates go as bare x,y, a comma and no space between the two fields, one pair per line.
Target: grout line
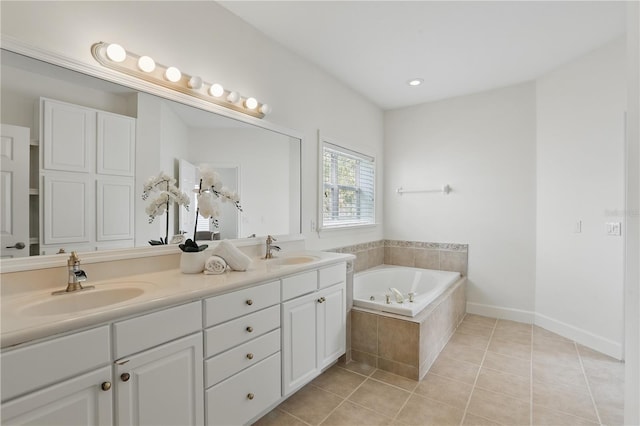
586,379
293,415
466,407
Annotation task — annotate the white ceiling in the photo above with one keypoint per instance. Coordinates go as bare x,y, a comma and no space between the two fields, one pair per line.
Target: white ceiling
375,47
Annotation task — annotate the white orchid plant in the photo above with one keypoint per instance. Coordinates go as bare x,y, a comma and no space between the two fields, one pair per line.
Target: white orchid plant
209,191
162,192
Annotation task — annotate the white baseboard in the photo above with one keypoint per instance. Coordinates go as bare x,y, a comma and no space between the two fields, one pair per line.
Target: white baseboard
510,314
581,336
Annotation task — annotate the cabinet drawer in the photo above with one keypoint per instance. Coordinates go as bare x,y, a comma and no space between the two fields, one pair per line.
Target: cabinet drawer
229,363
38,365
150,330
232,333
298,285
332,275
232,305
245,395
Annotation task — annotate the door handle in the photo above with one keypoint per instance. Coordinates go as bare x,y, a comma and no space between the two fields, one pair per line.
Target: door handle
19,246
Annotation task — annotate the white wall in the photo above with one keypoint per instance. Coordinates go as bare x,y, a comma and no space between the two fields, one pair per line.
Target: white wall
205,39
580,176
483,145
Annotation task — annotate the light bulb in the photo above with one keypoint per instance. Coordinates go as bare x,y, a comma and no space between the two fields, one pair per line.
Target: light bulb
415,82
195,82
233,97
116,53
265,109
216,90
146,64
251,103
173,74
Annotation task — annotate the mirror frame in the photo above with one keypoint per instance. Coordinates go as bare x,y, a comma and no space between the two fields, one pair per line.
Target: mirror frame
50,261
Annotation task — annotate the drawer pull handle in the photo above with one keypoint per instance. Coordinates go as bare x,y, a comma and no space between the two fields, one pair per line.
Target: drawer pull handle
249,302
249,356
125,377
250,396
250,329
321,300
105,386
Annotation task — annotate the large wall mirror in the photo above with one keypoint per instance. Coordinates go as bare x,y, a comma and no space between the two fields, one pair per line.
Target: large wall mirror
260,162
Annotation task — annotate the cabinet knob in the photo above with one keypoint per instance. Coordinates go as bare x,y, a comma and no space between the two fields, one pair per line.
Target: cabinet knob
250,329
125,377
249,356
321,300
105,386
249,302
250,396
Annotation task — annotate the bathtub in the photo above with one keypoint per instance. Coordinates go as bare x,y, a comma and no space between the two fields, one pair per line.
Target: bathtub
371,287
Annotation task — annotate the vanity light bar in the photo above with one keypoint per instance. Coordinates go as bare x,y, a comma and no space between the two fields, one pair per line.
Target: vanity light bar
145,68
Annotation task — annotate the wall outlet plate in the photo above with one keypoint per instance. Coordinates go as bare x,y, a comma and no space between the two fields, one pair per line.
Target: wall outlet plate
614,228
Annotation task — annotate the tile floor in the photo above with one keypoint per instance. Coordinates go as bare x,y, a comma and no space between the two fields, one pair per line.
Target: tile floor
492,372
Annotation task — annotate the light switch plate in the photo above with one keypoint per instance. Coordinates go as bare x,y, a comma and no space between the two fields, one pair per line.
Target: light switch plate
614,228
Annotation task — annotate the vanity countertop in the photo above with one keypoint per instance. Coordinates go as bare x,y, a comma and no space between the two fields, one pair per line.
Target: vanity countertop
161,289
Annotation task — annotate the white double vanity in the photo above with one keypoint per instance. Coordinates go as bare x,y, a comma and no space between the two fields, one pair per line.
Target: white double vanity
183,350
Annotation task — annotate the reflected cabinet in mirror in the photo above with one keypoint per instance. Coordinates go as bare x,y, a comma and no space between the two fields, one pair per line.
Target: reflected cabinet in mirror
77,151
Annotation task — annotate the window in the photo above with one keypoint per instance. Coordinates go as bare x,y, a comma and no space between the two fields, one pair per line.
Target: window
347,189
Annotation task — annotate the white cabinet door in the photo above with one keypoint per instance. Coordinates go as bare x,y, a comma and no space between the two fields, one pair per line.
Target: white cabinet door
331,325
162,386
68,136
116,135
67,208
299,342
114,208
77,401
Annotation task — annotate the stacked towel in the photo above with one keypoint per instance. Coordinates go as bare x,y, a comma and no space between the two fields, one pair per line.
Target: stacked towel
237,260
215,265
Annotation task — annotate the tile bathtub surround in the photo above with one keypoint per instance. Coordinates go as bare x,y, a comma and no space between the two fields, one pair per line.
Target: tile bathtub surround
471,384
406,346
441,256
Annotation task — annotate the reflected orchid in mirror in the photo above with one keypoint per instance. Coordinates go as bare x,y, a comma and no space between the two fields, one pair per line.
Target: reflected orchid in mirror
162,192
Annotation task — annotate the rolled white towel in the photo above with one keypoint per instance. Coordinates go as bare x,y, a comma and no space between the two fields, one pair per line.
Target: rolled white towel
237,260
215,265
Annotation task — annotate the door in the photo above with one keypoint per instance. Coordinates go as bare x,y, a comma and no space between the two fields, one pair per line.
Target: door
162,386
14,191
84,400
331,325
299,342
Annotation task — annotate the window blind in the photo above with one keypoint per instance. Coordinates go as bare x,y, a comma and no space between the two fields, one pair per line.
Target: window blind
348,185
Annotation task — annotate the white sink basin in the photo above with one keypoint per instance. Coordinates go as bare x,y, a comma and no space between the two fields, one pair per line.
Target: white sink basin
294,260
84,300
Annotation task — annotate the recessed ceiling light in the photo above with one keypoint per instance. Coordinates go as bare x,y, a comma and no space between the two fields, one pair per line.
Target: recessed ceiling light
415,82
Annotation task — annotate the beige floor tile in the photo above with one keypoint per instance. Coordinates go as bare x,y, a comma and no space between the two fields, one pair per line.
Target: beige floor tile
513,335
339,381
541,332
554,347
360,368
561,374
445,390
564,399
425,412
473,420
499,408
600,366
479,320
543,416
454,369
348,414
507,364
611,414
609,399
277,417
311,404
462,352
380,397
508,384
395,380
509,348
474,329
475,341
514,326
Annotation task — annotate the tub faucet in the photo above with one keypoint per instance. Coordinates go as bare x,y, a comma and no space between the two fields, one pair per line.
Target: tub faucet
76,276
397,294
270,247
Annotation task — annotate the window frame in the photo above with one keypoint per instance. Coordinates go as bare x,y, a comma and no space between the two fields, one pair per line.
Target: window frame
321,225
